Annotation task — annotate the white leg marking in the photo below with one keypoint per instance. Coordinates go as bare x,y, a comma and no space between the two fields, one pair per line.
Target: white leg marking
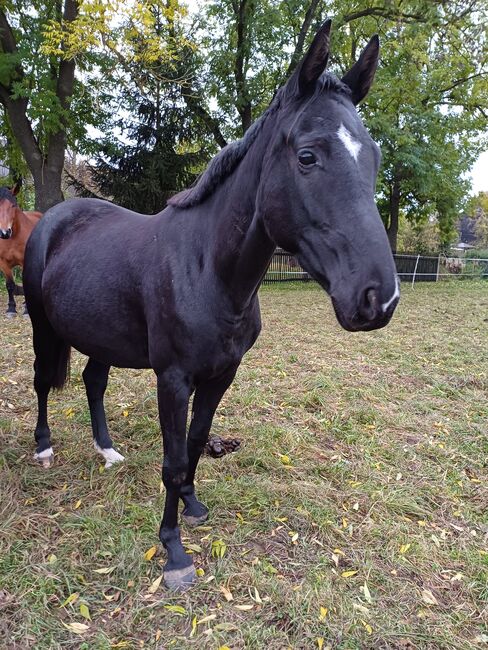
111,456
46,457
395,295
353,146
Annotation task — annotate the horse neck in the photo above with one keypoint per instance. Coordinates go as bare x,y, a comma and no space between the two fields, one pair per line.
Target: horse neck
242,249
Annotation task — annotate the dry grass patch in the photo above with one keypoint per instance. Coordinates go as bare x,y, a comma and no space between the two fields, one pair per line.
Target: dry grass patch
354,516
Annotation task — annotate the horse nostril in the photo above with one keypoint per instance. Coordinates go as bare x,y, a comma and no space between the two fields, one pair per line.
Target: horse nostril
370,305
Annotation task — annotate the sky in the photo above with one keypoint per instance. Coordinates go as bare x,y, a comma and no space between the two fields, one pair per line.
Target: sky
479,174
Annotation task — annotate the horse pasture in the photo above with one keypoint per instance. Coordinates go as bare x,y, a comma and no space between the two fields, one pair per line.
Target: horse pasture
354,516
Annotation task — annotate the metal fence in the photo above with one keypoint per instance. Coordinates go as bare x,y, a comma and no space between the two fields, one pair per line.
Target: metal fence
410,267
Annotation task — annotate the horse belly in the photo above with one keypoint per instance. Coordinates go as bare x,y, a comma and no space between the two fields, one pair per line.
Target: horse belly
95,321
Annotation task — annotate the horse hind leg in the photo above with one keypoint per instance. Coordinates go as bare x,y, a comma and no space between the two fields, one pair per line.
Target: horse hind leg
50,371
95,376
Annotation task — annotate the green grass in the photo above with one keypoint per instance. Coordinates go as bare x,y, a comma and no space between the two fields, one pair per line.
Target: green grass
362,453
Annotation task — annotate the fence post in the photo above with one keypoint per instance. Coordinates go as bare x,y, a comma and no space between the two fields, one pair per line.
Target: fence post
415,270
438,267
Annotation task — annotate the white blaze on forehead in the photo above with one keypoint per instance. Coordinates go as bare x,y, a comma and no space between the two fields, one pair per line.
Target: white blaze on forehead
352,145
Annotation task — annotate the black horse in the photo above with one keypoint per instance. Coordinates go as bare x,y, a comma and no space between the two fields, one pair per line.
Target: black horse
177,291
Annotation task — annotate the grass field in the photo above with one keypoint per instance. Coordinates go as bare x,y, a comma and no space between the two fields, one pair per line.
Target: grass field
354,516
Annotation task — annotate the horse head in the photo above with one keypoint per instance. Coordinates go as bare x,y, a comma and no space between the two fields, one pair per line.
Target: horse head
316,196
8,210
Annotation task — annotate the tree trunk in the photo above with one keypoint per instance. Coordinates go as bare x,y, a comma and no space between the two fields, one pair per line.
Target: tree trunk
392,229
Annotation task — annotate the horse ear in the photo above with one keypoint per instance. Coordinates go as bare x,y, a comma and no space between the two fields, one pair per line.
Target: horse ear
315,60
16,188
361,75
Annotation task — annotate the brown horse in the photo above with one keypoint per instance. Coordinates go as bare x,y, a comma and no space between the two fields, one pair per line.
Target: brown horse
15,228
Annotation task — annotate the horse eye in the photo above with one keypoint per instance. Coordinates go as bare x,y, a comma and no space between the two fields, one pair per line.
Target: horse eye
306,158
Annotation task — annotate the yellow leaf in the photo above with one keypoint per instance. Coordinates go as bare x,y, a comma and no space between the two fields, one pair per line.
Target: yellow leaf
176,609
77,628
155,585
77,504
149,554
348,574
193,626
200,572
323,613
125,413
367,627
224,647
338,551
52,558
320,643
404,548
71,599
85,612
105,570
158,635
286,460
227,593
344,522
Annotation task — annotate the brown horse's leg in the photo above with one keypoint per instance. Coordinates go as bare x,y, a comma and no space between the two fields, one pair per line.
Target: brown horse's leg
9,281
95,377
207,398
173,398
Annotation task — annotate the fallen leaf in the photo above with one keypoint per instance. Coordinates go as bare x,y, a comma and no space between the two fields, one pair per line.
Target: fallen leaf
176,609
85,612
348,574
206,619
367,627
155,585
227,593
150,553
367,593
244,608
193,626
77,628
320,643
77,504
404,548
105,570
323,613
200,572
428,597
72,598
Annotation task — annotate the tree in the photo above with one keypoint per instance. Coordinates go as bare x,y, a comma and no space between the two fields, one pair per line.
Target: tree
477,209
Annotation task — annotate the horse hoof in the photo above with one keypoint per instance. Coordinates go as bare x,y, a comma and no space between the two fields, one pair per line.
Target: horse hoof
26,316
111,456
45,458
180,579
194,520
11,314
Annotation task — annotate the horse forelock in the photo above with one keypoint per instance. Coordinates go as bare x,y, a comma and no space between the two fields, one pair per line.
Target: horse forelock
226,161
6,194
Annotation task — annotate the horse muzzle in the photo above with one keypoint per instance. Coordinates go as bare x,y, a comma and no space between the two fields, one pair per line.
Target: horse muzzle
5,234
371,313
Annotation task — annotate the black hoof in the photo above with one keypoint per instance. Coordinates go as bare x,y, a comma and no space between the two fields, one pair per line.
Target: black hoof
11,314
180,579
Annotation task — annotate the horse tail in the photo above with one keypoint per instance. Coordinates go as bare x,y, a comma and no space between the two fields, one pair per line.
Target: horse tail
63,366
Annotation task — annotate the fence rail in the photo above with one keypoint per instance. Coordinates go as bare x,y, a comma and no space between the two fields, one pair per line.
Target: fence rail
410,268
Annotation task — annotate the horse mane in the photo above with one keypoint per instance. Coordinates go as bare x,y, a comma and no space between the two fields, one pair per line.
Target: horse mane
224,163
6,194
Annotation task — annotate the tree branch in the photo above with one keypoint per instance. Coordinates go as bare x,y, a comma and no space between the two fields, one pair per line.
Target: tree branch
302,35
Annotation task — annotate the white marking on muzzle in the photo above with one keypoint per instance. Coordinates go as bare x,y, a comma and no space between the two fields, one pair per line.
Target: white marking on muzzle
353,146
111,456
395,295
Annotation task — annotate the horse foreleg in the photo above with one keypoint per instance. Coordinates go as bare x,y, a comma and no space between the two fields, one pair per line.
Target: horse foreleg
173,398
11,286
206,400
95,376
